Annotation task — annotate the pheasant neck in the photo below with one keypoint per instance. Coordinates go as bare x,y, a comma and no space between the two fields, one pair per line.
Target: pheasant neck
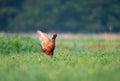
54,37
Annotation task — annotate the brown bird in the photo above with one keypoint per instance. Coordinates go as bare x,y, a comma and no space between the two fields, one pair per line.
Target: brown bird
48,45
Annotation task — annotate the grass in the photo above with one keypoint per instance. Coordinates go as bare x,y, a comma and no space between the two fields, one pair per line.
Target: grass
76,58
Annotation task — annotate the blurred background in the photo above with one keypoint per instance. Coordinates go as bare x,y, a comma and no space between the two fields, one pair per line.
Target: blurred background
76,16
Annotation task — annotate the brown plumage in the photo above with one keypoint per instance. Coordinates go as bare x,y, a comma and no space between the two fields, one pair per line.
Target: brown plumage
48,45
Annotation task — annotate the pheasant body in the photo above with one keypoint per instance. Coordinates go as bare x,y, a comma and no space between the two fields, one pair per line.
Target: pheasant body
48,45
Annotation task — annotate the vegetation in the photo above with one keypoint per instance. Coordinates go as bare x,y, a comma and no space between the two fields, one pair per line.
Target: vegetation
60,15
77,57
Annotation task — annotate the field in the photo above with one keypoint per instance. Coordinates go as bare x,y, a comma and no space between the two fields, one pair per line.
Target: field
77,57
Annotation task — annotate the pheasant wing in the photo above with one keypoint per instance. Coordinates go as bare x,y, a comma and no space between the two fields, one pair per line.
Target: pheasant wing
43,38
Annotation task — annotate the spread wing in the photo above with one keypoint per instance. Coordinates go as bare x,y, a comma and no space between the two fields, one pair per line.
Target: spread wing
43,38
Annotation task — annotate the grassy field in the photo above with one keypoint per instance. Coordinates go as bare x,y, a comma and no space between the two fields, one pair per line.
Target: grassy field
77,58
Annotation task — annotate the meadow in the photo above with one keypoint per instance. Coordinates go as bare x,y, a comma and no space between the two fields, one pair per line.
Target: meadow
77,57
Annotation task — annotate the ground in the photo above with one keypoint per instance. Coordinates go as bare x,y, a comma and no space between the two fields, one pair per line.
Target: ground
77,57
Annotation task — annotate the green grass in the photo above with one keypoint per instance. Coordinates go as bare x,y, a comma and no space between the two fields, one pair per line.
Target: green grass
80,58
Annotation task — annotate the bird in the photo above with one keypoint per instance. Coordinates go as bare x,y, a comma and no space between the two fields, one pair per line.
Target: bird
48,44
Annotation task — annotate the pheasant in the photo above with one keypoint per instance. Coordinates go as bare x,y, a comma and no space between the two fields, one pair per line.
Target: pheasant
48,45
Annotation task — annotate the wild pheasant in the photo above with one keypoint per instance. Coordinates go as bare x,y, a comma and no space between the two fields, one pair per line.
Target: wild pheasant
48,45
